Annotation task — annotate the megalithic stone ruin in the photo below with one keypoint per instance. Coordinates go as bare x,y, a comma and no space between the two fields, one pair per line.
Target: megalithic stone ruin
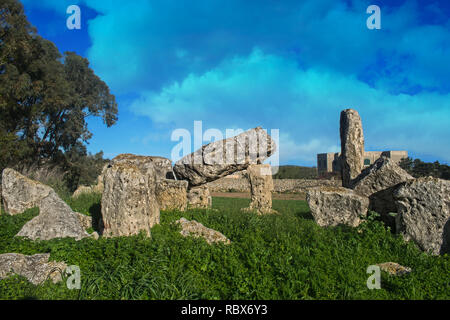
352,146
222,158
261,185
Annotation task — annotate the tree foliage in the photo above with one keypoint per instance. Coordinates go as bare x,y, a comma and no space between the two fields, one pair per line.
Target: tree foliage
45,97
417,168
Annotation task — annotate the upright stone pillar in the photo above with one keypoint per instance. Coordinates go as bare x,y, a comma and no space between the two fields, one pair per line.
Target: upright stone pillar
129,203
352,146
261,185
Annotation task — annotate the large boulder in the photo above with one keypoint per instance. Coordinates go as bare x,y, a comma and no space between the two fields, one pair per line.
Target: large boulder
21,193
378,182
162,166
199,198
332,206
55,220
198,230
172,194
36,268
129,202
423,216
261,186
222,158
352,146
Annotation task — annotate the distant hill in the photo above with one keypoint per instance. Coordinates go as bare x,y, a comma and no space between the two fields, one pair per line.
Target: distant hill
296,172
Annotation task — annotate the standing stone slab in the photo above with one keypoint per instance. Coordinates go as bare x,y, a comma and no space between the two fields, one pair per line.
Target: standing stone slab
36,268
222,158
261,185
378,182
129,202
352,146
424,213
332,206
172,194
21,193
199,198
55,220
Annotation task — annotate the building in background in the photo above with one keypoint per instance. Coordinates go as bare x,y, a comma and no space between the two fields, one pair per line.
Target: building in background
329,162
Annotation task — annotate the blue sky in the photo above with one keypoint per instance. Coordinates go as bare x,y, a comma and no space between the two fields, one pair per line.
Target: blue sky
287,65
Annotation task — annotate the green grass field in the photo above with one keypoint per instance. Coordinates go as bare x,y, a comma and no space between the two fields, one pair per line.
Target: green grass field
285,256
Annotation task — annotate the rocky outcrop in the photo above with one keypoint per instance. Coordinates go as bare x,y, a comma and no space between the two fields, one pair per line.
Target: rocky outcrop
378,182
162,166
199,198
260,178
129,203
352,146
222,158
55,220
423,215
196,229
21,193
394,268
332,206
36,268
172,194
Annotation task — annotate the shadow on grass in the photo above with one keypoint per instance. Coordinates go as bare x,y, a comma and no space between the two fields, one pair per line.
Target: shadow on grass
97,221
304,215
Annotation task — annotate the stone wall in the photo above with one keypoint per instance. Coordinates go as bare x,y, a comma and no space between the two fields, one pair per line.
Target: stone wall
280,185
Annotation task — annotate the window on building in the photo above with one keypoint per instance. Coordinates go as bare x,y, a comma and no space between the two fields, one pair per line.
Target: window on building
366,162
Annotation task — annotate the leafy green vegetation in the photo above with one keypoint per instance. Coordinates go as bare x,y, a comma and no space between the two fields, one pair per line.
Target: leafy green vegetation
45,100
286,256
296,172
417,168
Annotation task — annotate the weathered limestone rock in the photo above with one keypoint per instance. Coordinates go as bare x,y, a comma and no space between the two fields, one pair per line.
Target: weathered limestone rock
352,146
21,193
394,268
36,268
172,194
222,158
55,220
378,182
129,202
331,206
162,166
199,197
423,216
198,230
86,221
261,185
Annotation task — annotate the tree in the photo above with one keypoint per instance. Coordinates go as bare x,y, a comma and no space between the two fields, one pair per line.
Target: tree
45,97
417,168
